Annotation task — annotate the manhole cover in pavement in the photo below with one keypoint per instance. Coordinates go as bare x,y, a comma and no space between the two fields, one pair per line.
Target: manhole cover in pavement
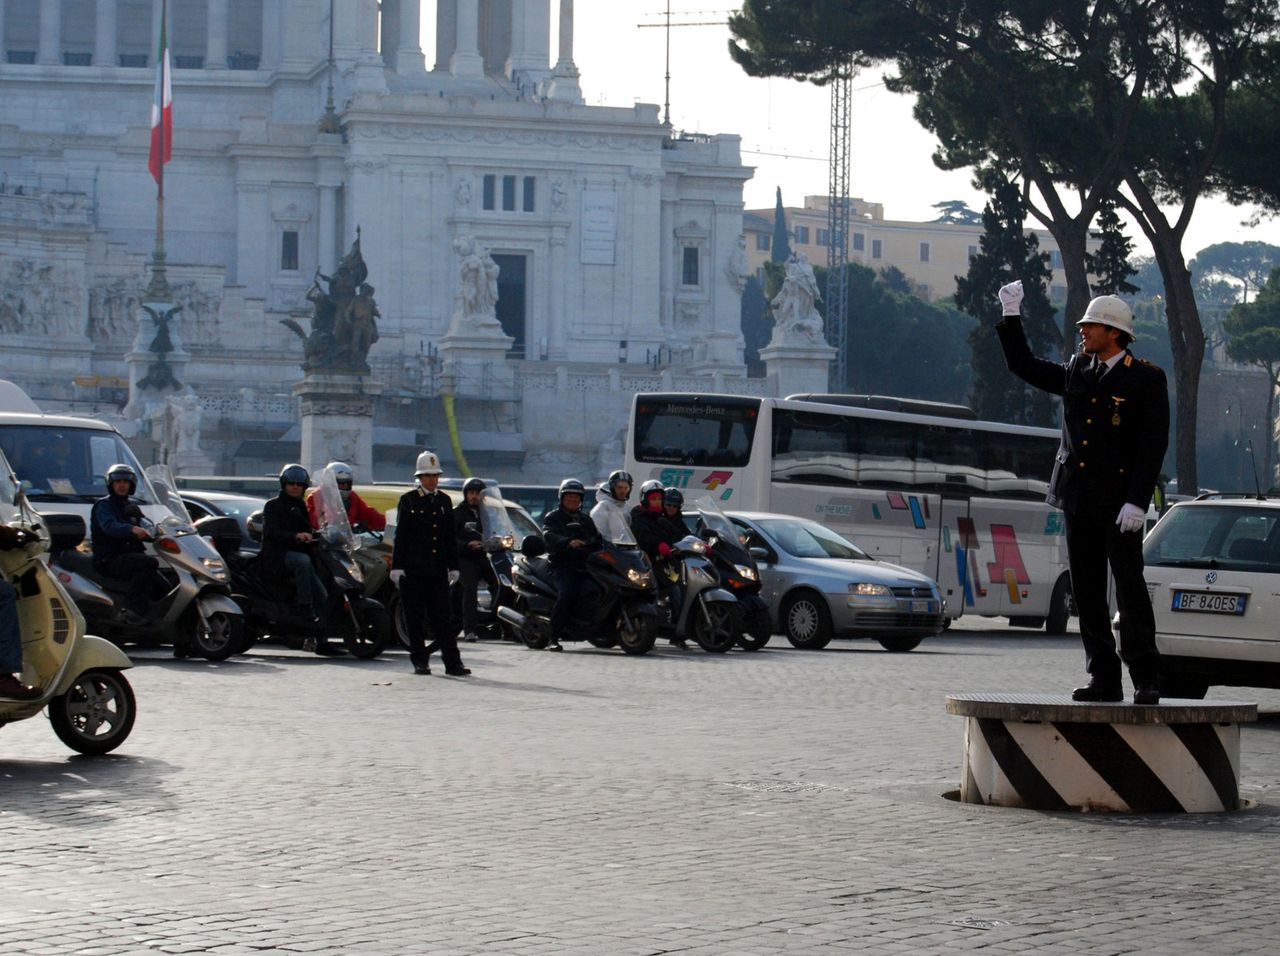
976,922
780,786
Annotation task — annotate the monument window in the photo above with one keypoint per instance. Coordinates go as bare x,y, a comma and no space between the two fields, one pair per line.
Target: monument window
877,249
25,57
508,194
512,298
924,252
689,266
289,250
188,62
133,59
859,242
77,59
490,191
530,183
763,241
802,235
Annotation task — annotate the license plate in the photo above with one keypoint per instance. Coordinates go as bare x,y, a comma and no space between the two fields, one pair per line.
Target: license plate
1208,602
921,607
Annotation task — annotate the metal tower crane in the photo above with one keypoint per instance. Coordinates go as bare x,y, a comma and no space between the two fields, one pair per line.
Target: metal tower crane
837,291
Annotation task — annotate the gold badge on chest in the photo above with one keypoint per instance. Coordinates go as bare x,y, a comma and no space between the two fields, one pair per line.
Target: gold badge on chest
1117,401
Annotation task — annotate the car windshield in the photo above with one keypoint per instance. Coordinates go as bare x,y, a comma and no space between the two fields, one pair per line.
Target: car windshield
807,539
1216,536
234,507
67,464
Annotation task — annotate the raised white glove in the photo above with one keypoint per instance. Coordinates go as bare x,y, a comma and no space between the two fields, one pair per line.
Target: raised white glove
453,577
1131,518
1011,298
397,576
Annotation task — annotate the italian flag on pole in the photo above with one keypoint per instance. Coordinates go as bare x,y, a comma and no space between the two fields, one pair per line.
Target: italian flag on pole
162,105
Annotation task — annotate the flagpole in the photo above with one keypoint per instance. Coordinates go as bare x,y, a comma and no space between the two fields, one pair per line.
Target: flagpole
158,290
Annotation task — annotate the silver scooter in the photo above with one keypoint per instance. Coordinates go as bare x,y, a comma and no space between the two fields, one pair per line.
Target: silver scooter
197,614
709,613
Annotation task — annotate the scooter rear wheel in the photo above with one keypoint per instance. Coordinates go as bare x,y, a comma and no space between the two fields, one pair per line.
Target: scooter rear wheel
96,714
369,632
756,633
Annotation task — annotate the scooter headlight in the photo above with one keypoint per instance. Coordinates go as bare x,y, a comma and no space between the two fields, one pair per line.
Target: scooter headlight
746,572
639,578
217,570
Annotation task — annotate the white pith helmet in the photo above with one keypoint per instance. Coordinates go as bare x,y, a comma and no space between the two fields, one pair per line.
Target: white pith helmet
1110,310
428,464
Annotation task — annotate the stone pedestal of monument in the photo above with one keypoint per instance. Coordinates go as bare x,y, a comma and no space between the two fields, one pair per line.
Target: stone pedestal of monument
797,367
474,356
154,375
337,419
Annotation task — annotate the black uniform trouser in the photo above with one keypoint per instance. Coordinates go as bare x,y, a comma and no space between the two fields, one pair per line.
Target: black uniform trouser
569,584
141,574
1094,541
471,572
427,609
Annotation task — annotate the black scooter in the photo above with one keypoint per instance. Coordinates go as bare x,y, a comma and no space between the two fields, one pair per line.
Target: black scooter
615,608
736,567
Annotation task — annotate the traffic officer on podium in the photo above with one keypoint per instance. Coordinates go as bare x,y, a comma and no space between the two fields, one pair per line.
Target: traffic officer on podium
424,562
1115,429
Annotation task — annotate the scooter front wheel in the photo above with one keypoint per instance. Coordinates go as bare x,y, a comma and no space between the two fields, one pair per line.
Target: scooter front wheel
717,626
217,638
757,631
639,638
96,714
370,632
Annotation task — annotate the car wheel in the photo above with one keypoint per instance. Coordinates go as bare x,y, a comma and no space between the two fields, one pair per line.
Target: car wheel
806,621
1055,622
95,716
899,645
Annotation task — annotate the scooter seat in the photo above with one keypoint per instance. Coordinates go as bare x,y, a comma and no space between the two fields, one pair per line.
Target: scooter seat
81,563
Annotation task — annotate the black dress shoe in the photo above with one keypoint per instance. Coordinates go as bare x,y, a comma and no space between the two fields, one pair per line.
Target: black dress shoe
421,669
1146,694
460,672
1098,693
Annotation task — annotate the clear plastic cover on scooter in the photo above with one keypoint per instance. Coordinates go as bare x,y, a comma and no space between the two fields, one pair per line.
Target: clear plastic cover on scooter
715,520
610,520
331,512
496,530
160,489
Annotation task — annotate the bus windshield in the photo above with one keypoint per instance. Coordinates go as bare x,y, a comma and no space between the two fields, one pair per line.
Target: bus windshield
696,431
57,464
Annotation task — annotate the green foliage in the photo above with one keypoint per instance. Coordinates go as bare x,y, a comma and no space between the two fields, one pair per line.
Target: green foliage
1254,330
1248,263
956,212
781,250
1007,252
1110,263
756,325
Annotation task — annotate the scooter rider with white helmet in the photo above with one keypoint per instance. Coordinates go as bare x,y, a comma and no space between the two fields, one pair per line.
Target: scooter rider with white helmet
610,514
358,513
424,562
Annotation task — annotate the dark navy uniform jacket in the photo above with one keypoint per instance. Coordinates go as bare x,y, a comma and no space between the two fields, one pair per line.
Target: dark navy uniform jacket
1114,430
112,521
425,542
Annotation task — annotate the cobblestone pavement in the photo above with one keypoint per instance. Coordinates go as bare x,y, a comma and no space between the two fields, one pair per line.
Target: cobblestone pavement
591,803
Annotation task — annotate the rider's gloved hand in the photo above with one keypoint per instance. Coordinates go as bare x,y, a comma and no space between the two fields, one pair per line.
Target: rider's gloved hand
664,549
453,577
397,575
1011,298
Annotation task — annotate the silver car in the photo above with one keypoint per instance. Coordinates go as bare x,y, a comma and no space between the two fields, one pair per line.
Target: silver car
820,586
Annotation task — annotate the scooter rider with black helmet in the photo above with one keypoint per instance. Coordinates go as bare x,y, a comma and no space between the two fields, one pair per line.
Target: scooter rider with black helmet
657,534
117,536
287,536
473,563
571,536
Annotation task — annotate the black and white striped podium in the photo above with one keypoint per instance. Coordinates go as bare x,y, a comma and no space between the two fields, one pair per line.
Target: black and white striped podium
1047,752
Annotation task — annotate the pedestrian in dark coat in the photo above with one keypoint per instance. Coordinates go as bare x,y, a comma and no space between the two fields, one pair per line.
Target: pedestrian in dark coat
1115,429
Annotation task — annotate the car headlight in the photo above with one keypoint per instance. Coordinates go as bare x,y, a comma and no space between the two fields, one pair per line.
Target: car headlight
746,572
639,578
867,589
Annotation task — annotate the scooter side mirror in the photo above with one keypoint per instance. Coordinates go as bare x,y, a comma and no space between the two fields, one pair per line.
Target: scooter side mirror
532,546
254,524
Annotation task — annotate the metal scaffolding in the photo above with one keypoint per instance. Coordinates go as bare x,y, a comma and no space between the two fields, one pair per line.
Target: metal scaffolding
837,291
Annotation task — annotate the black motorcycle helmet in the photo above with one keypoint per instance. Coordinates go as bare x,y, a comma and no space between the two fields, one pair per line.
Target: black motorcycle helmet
571,486
121,472
294,472
472,484
615,478
673,496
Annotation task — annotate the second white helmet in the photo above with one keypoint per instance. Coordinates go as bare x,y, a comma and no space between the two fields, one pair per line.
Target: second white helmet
1110,310
428,464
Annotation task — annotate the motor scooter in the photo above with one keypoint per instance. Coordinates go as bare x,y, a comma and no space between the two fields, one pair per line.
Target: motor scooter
196,614
497,537
90,702
616,607
362,622
708,613
738,572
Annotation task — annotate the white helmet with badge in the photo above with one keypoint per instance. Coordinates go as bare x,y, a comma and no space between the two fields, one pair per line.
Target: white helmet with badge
1110,310
428,464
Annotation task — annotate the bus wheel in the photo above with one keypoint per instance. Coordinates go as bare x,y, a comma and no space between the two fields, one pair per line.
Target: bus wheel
806,621
1055,621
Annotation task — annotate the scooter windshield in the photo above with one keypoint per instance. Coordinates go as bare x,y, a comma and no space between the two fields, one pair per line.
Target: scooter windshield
164,490
331,512
715,519
495,522
8,492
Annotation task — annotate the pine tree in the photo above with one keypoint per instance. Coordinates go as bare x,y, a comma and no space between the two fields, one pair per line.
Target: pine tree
1007,252
1110,263
781,250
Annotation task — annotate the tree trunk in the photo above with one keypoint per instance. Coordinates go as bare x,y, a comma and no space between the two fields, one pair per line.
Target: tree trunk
1267,457
1073,247
1186,338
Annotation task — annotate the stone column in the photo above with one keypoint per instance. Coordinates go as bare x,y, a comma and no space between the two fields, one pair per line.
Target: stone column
105,51
215,47
466,60
327,228
389,34
564,78
4,56
557,321
337,419
156,8
269,58
446,32
408,53
50,50
530,39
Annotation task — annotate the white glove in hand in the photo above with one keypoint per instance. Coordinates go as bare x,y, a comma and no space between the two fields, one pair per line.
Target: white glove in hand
1131,518
453,577
396,576
1011,298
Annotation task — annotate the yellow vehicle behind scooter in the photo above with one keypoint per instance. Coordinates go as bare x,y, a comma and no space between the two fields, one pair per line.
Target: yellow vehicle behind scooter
90,703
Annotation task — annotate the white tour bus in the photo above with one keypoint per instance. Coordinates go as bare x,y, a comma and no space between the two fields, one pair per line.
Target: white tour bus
920,484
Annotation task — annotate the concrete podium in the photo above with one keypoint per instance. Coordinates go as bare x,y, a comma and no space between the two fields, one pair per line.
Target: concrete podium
1048,752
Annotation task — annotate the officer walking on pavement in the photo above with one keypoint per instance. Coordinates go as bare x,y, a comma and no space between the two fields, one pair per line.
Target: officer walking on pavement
424,562
1115,429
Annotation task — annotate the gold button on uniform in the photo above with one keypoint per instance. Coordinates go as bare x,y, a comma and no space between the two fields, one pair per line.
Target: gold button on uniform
1081,464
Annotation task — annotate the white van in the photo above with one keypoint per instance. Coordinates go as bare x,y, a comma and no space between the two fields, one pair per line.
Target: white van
61,461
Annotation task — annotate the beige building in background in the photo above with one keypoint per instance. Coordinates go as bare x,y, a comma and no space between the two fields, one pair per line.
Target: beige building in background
930,254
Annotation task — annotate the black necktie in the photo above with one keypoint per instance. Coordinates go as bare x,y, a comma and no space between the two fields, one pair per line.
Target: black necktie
1099,370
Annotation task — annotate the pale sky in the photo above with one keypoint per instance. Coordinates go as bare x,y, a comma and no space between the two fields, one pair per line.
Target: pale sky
622,63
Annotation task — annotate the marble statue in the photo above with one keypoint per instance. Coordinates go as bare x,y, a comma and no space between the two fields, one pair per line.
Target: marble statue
185,413
795,318
475,305
738,269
